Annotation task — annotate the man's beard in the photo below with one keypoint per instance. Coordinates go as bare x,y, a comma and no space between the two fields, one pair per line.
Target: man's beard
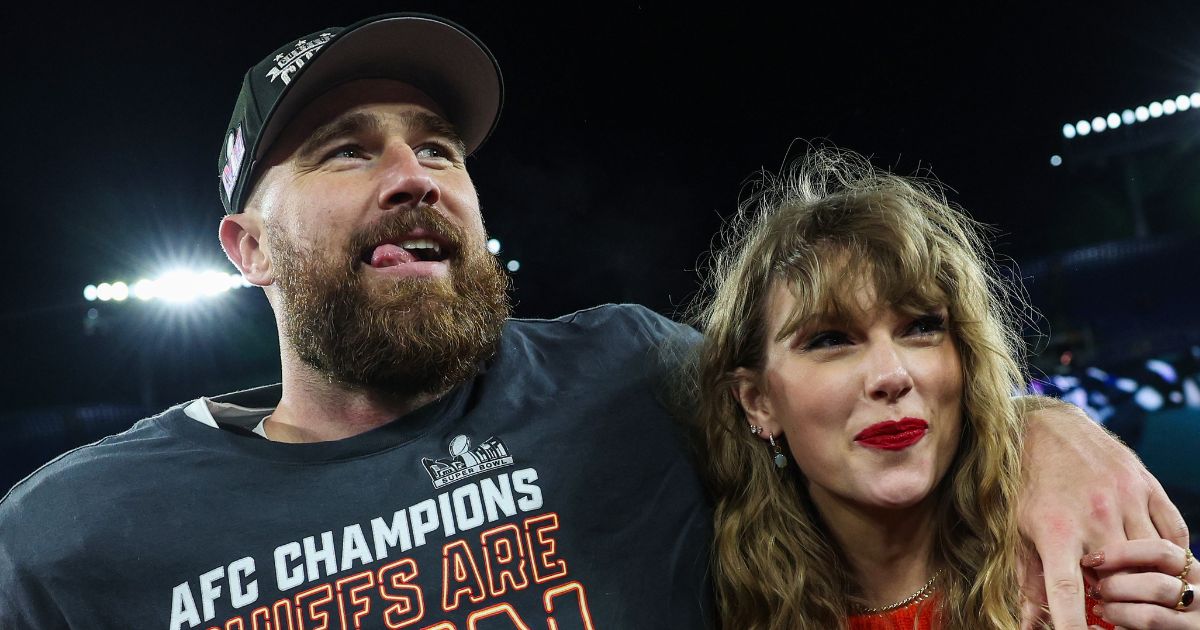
417,336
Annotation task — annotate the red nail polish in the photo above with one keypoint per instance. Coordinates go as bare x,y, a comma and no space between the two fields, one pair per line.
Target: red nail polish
1098,610
1093,560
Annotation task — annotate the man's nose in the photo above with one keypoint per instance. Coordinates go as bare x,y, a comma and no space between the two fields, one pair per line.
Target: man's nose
888,379
406,183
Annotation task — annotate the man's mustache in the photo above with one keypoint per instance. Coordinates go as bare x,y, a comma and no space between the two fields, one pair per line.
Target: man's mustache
394,225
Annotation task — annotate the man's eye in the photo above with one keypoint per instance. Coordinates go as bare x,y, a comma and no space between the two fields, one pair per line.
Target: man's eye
434,152
349,152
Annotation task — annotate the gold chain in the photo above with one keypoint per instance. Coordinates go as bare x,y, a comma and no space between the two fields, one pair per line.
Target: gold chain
922,594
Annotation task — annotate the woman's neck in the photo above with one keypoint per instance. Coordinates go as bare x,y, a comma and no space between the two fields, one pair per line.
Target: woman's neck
890,551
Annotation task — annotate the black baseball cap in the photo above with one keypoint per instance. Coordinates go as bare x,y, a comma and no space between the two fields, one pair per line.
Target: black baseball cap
433,54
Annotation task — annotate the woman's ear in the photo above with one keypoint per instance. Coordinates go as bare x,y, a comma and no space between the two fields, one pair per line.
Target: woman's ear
750,389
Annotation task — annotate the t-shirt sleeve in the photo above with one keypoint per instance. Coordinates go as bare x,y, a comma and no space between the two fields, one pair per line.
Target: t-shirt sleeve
25,601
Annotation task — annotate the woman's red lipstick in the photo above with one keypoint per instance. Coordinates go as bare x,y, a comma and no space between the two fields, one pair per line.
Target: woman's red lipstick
893,435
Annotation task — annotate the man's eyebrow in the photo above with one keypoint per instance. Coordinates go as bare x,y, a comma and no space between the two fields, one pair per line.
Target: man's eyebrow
436,125
350,124
363,122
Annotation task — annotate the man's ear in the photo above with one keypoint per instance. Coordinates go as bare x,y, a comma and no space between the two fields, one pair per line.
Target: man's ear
241,238
750,389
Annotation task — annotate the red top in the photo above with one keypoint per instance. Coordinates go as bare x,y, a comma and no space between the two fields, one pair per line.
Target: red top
919,616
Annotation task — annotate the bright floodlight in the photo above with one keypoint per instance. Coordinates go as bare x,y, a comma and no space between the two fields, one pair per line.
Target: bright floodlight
493,246
143,289
178,285
1141,113
1055,160
513,265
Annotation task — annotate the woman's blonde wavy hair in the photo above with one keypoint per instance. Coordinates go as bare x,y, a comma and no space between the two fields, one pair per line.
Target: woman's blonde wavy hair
826,225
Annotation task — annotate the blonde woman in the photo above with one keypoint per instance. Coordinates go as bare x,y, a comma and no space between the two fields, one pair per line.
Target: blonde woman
856,401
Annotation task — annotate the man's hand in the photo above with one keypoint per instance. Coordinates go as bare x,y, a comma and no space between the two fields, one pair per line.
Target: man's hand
1083,490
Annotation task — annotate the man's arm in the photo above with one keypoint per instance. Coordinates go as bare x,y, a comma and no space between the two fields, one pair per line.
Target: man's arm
1083,490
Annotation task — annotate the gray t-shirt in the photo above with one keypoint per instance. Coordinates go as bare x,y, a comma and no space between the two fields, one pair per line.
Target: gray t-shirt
551,491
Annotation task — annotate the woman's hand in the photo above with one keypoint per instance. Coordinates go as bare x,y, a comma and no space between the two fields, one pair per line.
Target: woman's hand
1146,584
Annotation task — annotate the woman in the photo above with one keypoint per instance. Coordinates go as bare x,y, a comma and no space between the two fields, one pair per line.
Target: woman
857,328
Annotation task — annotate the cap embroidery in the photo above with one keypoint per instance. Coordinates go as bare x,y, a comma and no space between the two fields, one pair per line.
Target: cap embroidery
235,150
288,63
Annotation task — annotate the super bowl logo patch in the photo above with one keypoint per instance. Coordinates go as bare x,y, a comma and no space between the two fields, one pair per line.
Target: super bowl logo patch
288,63
235,150
465,461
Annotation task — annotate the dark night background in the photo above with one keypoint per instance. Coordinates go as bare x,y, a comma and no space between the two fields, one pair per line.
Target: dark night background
629,131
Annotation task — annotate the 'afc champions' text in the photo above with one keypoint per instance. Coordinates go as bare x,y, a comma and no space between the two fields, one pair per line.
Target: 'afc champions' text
474,573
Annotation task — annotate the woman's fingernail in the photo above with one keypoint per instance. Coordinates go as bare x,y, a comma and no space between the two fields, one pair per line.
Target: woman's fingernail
1093,560
1098,610
1094,592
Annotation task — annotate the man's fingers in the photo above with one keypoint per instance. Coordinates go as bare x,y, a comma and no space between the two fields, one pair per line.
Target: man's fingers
1033,590
1064,589
1140,526
1168,522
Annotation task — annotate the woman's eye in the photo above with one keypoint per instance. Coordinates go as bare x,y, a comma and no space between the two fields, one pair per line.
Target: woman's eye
827,339
929,324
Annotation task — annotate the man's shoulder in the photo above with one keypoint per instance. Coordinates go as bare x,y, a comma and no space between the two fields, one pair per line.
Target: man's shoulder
611,322
77,472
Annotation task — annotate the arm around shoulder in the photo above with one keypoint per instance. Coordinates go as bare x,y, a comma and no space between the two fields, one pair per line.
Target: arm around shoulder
1083,489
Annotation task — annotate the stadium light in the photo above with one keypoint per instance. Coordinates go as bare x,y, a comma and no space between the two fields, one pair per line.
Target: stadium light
1139,114
177,285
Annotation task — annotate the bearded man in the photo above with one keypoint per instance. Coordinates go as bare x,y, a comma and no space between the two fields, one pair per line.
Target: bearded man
426,462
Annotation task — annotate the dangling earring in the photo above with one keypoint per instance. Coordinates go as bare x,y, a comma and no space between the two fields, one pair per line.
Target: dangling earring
780,459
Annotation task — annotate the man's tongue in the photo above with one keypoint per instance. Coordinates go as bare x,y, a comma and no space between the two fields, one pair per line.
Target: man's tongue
389,255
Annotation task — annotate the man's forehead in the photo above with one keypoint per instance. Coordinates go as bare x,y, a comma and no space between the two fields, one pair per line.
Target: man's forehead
356,102
360,95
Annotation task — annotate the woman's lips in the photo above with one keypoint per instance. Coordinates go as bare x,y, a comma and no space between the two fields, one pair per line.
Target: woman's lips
893,435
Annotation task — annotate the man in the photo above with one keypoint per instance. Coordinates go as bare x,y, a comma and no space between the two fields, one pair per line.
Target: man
426,462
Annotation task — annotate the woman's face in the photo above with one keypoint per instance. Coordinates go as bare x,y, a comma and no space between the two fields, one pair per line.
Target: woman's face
871,407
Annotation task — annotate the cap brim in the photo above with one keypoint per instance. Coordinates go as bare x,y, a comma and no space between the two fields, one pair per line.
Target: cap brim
446,62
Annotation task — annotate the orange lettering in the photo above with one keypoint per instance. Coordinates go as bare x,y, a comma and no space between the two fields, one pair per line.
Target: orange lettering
502,549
